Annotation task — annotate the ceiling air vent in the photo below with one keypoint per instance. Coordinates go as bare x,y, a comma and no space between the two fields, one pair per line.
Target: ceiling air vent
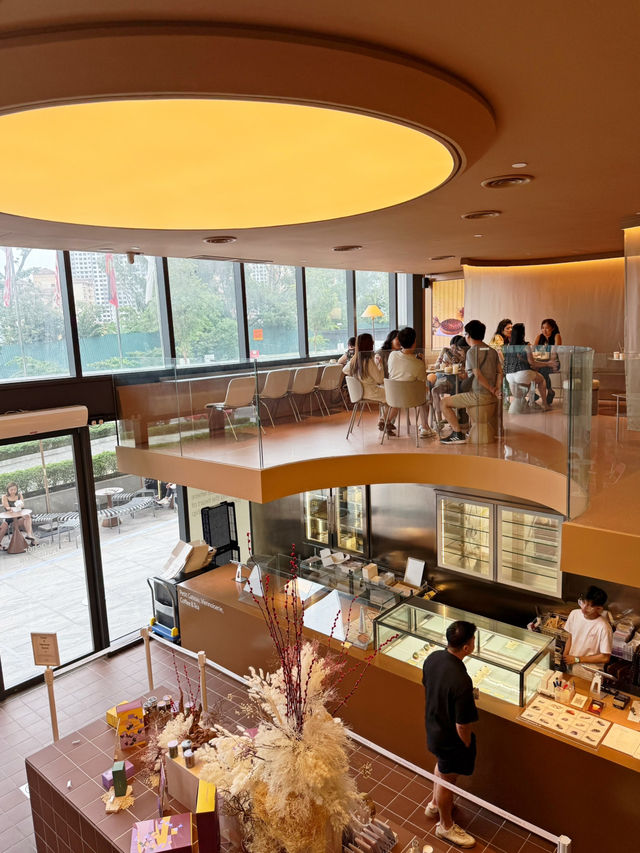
481,214
503,182
442,258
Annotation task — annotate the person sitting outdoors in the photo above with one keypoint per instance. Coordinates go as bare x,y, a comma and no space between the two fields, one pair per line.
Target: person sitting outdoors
348,355
483,364
13,499
502,336
455,353
405,366
520,367
546,341
391,344
363,366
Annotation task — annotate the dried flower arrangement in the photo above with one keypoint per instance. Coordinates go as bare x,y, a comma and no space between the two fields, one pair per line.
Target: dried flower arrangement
287,783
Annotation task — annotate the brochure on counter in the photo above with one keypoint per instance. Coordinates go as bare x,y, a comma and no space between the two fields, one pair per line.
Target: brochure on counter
566,721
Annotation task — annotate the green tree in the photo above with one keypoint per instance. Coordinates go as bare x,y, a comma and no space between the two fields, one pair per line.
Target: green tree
326,307
203,307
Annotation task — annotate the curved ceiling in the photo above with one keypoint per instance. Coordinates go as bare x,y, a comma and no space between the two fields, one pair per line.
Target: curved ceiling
561,82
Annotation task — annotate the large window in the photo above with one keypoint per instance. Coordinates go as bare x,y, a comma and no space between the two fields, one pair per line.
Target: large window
372,288
32,334
116,311
42,569
327,311
272,313
136,534
203,303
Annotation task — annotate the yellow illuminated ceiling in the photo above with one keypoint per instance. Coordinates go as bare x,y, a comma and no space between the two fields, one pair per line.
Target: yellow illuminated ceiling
209,164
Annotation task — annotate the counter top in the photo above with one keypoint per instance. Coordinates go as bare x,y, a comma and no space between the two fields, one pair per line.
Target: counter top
217,590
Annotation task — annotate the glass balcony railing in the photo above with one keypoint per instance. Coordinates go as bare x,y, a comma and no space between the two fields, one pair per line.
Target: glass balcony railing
255,416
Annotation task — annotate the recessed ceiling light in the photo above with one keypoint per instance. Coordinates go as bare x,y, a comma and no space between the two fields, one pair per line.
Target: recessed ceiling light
346,248
478,235
503,182
136,249
105,249
442,258
224,238
481,214
519,165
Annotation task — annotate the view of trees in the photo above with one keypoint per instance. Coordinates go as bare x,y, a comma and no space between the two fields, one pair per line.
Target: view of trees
122,331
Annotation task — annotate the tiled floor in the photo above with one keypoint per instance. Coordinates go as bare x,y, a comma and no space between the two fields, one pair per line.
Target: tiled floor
85,693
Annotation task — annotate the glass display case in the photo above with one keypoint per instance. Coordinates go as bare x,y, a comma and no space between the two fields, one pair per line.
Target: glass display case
336,602
507,663
465,533
316,516
350,519
529,550
337,518
518,546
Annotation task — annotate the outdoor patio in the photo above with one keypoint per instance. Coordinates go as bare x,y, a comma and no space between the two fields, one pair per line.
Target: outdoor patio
44,588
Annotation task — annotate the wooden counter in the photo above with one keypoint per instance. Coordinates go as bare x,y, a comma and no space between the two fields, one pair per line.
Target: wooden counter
529,771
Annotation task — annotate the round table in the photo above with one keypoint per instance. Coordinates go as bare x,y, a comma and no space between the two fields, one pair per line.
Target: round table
109,493
18,544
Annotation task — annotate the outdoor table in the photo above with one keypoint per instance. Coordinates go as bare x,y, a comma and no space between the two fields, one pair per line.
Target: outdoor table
109,493
18,544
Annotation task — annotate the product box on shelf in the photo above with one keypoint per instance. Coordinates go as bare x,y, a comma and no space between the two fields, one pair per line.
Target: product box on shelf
172,833
107,776
131,724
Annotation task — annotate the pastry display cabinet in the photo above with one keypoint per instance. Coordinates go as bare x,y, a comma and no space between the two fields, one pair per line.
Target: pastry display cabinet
337,518
337,605
507,662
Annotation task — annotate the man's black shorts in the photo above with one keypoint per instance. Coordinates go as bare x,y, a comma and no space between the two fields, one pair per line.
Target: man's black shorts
459,760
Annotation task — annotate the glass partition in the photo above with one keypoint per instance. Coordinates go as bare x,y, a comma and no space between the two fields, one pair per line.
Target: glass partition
540,414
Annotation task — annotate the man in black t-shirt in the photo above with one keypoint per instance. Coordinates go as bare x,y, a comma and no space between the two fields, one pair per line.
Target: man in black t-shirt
450,711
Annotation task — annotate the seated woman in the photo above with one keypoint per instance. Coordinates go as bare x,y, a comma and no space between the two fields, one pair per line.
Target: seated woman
455,353
547,341
520,366
363,366
12,497
391,344
502,336
348,355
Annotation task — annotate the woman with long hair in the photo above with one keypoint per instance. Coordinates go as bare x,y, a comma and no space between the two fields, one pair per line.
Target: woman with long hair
13,499
502,336
546,341
391,344
365,367
520,367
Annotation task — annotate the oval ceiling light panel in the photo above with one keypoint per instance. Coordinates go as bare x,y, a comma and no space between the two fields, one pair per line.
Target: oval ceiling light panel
210,164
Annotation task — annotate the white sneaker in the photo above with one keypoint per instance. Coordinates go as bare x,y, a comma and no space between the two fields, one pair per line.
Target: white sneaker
455,835
431,810
426,432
